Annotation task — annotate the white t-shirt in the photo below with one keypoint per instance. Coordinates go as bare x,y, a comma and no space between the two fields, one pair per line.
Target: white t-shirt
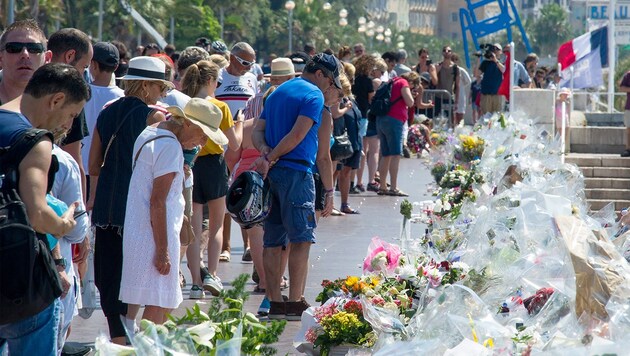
235,91
100,97
176,98
67,188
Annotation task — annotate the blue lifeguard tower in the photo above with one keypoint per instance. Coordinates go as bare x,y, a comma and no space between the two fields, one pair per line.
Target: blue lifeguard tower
504,20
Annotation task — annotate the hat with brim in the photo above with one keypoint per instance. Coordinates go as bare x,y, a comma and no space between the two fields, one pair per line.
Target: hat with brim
147,68
564,91
281,67
206,115
331,64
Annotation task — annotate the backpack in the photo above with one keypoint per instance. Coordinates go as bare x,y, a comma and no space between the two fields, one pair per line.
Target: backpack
29,281
381,101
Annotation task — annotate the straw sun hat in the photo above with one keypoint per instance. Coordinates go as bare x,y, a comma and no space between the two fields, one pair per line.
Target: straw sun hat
204,114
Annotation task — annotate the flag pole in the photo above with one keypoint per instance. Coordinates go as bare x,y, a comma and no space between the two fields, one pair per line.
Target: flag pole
553,124
511,92
611,55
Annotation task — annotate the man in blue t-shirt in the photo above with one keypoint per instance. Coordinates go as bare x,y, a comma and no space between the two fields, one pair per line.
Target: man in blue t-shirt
286,135
492,70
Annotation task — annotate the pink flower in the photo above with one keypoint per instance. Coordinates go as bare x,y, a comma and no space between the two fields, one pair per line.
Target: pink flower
311,335
324,311
381,257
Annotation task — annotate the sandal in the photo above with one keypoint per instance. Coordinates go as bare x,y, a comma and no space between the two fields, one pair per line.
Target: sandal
336,212
382,192
397,193
259,290
345,208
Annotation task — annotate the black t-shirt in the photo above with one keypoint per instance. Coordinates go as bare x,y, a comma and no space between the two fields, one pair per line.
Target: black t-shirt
361,89
78,131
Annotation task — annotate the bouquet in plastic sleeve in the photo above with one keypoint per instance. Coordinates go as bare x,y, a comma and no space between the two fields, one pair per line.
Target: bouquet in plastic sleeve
382,257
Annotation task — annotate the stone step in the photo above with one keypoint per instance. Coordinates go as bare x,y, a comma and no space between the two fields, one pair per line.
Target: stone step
605,172
598,204
597,160
607,194
595,139
609,183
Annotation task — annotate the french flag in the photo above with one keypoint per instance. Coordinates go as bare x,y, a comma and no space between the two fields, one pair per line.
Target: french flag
573,51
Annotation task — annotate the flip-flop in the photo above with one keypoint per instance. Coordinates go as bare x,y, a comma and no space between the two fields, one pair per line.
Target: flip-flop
397,193
348,210
336,212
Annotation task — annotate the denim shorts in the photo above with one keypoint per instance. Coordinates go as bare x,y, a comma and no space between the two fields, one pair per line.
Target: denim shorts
292,215
390,133
35,335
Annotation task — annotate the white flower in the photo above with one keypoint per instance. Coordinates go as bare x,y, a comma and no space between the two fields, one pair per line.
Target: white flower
447,206
407,271
438,206
461,266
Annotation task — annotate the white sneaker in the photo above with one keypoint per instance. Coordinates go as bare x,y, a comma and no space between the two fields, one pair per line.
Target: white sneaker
213,285
196,293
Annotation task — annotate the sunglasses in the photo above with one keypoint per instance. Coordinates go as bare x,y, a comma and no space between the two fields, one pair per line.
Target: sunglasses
243,62
18,47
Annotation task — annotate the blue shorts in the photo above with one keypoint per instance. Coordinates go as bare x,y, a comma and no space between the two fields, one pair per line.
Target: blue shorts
390,132
292,215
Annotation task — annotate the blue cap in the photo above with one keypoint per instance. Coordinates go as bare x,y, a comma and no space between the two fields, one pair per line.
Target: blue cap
331,64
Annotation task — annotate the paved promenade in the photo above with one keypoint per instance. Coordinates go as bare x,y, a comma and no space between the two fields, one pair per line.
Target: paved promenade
341,246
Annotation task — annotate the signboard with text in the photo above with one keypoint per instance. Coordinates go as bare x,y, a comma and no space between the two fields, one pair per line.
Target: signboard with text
598,13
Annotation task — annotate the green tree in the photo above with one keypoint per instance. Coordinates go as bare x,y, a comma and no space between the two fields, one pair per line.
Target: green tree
551,29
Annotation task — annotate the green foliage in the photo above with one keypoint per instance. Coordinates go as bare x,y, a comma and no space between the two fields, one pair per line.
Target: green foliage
406,208
551,29
227,314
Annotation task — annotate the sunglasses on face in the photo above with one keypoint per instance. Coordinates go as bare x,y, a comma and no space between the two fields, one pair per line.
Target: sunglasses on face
18,47
243,62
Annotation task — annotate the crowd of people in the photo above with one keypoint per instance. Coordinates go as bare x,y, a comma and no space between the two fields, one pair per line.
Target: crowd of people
150,145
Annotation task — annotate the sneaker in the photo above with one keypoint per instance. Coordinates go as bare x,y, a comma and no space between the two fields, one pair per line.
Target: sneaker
277,310
224,256
294,310
265,305
75,349
625,153
196,293
354,190
204,272
213,285
255,276
373,187
247,257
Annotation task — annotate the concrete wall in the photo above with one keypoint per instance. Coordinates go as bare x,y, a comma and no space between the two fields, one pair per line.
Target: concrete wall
537,104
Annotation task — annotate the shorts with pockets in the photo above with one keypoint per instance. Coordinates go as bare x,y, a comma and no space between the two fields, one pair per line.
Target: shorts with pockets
210,178
390,135
292,215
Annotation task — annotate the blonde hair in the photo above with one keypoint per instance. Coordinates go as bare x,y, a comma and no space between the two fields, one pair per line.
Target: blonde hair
350,70
197,76
219,60
346,86
134,88
380,65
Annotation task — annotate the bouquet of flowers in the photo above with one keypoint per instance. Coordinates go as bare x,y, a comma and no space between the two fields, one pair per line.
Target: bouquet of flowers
471,148
382,257
438,170
439,138
460,177
340,321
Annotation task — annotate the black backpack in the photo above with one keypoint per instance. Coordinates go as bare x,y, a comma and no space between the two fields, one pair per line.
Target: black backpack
381,103
29,281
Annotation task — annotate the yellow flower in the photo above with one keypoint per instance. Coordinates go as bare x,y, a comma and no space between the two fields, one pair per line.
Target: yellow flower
352,280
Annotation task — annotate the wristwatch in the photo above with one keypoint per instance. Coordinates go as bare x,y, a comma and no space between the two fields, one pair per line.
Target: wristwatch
61,262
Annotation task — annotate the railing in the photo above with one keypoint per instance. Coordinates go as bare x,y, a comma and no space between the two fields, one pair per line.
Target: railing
443,110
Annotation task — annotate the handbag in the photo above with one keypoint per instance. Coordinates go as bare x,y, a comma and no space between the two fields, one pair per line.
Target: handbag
186,235
341,148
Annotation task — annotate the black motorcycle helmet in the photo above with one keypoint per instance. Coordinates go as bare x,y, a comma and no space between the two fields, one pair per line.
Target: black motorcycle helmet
248,199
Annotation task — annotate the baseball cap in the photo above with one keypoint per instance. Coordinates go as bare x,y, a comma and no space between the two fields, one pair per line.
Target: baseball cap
425,76
331,64
105,53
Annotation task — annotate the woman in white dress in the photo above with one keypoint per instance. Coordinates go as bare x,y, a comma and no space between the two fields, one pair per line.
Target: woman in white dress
155,208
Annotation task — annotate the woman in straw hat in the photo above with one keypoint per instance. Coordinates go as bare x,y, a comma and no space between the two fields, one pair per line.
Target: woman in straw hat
155,208
210,176
116,130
